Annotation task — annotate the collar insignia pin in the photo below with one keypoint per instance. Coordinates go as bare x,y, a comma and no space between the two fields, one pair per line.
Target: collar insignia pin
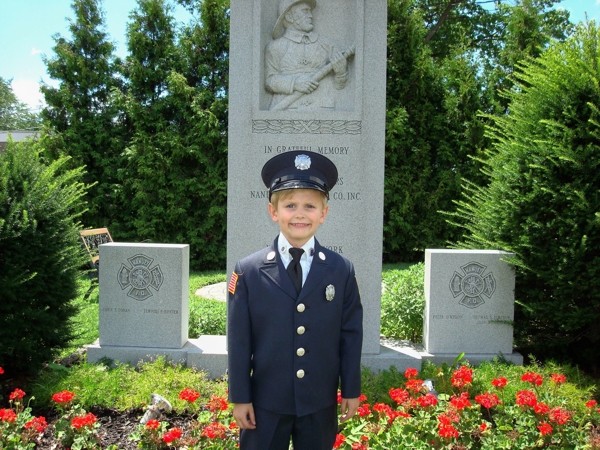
270,256
330,292
322,256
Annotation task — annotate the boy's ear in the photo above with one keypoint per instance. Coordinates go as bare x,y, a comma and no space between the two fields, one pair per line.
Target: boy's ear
272,212
325,212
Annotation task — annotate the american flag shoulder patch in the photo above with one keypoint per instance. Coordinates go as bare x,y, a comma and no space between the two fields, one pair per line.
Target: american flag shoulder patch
232,283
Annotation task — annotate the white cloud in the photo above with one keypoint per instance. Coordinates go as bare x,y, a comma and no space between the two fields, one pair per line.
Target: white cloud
35,51
28,91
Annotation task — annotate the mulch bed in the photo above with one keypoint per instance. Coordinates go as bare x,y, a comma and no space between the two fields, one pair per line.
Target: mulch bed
115,428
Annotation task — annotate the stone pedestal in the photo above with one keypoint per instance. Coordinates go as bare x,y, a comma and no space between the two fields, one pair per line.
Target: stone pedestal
144,295
469,305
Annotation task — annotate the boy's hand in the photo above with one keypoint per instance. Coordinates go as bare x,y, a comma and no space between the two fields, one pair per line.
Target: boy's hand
348,408
243,413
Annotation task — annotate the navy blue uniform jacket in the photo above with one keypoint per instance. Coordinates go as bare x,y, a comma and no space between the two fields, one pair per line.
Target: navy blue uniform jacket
288,353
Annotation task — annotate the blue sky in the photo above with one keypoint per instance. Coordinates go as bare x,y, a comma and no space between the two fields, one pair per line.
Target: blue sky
27,28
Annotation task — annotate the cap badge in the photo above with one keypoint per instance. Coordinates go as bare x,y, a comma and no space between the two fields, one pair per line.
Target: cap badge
329,292
302,162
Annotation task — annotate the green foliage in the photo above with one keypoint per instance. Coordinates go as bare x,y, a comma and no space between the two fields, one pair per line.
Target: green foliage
207,317
175,176
541,200
403,303
446,62
122,386
40,255
80,112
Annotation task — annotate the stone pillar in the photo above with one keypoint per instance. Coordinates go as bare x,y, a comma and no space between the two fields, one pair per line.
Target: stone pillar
343,119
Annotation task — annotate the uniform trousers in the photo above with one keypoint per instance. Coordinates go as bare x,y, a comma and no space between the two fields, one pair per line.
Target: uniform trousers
314,431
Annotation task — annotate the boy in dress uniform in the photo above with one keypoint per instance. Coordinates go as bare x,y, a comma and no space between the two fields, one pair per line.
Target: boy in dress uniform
294,319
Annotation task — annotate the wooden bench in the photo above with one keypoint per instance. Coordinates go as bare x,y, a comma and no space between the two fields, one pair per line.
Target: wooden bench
91,240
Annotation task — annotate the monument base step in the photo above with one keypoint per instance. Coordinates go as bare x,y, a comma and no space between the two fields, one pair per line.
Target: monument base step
209,354
473,358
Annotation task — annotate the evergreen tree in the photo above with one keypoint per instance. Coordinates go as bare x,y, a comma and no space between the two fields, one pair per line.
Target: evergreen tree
81,111
541,199
176,102
446,61
40,255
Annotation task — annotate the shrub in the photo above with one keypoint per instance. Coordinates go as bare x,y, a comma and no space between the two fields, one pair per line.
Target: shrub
403,303
207,317
541,200
40,256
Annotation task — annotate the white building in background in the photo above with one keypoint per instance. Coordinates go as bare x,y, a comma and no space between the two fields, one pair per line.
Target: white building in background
16,136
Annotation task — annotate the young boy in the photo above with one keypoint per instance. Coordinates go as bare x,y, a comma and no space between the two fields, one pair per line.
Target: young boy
294,322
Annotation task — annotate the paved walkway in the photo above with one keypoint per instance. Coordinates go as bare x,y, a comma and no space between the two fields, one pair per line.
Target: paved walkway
214,291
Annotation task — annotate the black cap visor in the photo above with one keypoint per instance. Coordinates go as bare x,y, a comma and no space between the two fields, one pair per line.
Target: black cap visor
293,182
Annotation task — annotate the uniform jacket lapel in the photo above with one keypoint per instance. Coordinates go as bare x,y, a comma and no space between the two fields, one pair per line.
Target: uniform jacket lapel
275,270
318,269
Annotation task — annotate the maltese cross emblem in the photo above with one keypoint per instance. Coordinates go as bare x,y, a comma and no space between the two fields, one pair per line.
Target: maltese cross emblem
140,277
472,284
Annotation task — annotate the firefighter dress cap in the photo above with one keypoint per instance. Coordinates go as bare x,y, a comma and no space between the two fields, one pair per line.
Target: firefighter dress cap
299,170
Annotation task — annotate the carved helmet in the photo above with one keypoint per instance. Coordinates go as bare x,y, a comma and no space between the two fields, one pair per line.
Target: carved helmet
284,7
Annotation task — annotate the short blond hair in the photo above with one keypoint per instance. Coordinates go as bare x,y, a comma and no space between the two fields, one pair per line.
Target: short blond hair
278,196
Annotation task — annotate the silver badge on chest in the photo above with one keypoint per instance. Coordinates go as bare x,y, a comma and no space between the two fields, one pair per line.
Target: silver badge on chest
329,292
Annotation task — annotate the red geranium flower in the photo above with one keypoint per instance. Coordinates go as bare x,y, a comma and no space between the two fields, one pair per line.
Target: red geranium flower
447,431
545,428
214,430
414,385
399,395
499,382
526,398
63,397
591,404
17,394
7,415
39,424
483,427
189,395
487,400
558,378
533,378
152,424
427,400
172,435
559,415
411,372
339,440
460,402
362,398
1,371
364,410
541,408
87,420
217,403
463,376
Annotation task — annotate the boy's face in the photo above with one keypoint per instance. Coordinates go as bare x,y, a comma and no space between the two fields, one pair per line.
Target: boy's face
299,215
